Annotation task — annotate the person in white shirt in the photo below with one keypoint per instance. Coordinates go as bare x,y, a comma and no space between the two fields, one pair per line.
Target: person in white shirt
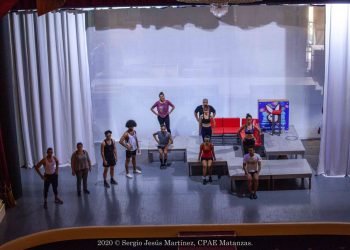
50,176
252,167
130,142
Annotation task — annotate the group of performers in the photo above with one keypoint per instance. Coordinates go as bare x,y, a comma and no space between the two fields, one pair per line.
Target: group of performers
204,114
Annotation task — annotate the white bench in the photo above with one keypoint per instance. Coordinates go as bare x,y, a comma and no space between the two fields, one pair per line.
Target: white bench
276,169
225,158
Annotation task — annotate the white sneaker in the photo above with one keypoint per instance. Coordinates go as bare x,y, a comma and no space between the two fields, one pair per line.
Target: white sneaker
129,176
137,171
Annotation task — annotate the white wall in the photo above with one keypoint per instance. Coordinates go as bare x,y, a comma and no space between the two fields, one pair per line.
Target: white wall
253,53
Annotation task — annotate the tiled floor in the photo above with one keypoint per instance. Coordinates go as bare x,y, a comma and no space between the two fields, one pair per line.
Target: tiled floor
171,197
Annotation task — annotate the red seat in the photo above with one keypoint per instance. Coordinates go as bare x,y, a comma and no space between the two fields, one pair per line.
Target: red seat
218,129
231,125
231,122
231,130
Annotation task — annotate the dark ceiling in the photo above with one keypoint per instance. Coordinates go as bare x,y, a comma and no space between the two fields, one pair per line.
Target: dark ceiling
31,4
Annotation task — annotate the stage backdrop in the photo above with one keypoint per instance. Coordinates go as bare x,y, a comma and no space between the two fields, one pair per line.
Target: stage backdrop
254,52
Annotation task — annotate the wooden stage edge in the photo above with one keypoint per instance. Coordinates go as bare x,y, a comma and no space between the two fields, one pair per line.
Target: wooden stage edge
149,231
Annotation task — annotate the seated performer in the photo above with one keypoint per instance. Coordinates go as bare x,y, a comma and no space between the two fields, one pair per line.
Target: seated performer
163,138
130,142
249,139
252,167
50,176
206,156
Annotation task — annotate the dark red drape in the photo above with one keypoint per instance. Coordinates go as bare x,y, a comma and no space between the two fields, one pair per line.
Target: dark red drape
5,182
5,6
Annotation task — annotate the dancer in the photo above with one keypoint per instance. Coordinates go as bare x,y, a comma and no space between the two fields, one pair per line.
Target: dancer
249,139
163,138
252,167
81,165
205,123
50,176
200,110
206,156
130,142
109,157
163,110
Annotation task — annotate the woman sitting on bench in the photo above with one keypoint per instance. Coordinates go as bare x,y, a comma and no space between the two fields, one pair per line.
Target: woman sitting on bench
206,156
249,139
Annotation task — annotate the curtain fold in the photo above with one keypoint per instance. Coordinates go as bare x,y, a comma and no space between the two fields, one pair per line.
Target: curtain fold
335,138
53,83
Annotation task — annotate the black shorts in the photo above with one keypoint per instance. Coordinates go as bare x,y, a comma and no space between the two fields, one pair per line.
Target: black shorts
206,159
252,173
110,163
129,154
162,146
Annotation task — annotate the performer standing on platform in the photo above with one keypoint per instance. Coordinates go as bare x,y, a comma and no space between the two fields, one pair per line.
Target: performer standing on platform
130,142
81,165
163,138
249,139
109,157
205,123
163,110
206,156
252,167
50,176
200,111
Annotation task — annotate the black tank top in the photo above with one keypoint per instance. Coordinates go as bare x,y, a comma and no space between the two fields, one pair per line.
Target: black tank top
109,150
205,120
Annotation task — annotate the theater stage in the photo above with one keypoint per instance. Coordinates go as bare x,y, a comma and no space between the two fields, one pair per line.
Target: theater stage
170,196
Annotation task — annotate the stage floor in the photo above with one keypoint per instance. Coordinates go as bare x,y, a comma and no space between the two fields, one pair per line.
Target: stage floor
171,197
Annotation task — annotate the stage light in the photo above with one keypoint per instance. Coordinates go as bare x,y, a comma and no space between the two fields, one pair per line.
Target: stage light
218,8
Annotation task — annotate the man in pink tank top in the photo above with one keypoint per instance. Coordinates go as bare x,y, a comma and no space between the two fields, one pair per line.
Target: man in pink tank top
50,176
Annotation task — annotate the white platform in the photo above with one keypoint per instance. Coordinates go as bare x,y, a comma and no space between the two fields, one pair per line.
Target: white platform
288,143
277,169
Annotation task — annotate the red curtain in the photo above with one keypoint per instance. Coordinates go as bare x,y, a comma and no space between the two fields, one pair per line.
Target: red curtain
45,6
5,6
5,182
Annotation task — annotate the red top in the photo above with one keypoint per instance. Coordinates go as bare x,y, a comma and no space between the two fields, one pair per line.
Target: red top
207,151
